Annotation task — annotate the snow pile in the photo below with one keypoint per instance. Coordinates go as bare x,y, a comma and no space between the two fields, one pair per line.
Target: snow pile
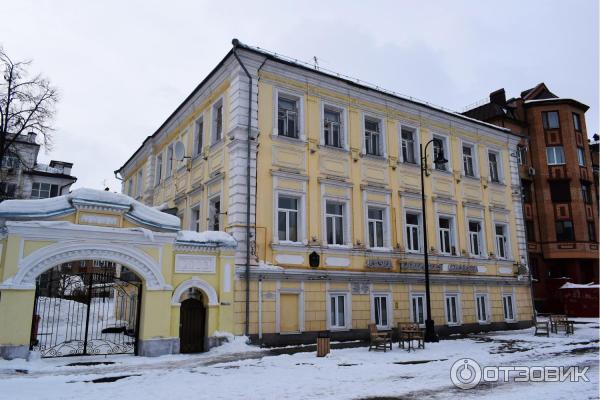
590,285
35,207
267,266
210,237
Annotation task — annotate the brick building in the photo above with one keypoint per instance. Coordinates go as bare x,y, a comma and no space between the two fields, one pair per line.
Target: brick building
559,203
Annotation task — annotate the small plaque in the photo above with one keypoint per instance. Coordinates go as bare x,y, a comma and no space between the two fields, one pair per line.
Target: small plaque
380,263
189,263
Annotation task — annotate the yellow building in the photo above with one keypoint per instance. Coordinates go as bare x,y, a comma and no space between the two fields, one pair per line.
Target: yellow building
332,170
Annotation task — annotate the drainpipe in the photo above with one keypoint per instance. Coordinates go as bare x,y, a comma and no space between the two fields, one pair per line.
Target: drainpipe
235,44
260,330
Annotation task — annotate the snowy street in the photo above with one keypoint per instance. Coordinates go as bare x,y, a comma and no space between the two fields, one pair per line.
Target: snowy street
236,370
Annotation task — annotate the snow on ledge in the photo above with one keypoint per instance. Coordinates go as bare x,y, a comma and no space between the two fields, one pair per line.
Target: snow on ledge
590,285
207,237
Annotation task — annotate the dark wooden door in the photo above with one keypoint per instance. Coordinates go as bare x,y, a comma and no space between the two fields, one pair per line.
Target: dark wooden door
191,326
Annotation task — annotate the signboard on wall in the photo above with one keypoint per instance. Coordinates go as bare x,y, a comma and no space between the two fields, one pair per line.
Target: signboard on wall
191,263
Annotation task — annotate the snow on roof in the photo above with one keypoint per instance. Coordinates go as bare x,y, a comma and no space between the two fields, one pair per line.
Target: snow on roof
46,168
590,285
64,204
207,237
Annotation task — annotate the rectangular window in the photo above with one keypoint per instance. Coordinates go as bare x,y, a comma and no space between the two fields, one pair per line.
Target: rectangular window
380,307
493,159
586,194
337,317
560,192
555,155
564,231
475,238
375,223
576,122
550,119
130,187
373,136
158,177
580,157
7,190
287,117
334,222
508,305
139,183
530,231
468,162
501,241
591,231
41,190
413,232
439,146
287,219
169,170
521,155
332,127
195,218
217,121
198,136
408,145
214,214
482,311
445,235
418,308
452,309
526,191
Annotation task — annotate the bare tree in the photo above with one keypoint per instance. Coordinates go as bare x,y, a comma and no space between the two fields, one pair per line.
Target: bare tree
26,105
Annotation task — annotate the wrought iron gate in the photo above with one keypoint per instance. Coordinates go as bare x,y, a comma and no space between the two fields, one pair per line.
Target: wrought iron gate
85,310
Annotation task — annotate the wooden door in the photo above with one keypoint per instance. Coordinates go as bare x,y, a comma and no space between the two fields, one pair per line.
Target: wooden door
288,312
191,326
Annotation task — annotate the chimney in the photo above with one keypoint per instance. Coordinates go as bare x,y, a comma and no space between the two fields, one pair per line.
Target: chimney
31,137
498,97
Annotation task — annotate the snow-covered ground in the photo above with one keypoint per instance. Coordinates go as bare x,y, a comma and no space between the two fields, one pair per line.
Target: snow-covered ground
237,370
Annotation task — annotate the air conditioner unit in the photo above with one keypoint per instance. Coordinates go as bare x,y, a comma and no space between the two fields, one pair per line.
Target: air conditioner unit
531,171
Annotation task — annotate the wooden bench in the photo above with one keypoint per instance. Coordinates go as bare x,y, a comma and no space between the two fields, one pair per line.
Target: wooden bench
561,322
407,332
379,340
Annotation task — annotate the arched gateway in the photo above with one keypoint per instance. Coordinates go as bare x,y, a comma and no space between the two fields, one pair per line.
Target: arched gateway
95,272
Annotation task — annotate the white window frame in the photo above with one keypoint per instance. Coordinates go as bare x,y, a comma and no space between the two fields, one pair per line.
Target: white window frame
452,233
507,249
213,118
130,187
169,161
386,225
196,223
210,214
198,136
346,222
299,217
139,180
513,309
382,134
499,165
291,95
416,141
388,313
486,298
480,237
580,157
159,168
39,190
458,309
343,121
474,158
447,152
552,152
419,227
347,311
412,298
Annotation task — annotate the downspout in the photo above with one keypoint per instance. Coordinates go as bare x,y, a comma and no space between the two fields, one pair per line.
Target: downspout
235,44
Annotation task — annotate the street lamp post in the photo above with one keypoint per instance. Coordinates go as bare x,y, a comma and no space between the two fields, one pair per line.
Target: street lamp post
430,335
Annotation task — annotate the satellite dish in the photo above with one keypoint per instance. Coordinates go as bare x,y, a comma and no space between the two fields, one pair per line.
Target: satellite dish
179,151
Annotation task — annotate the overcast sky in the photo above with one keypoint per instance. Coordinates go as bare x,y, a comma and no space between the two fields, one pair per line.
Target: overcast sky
123,66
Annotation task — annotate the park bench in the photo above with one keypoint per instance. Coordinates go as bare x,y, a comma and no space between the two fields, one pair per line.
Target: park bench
379,340
561,322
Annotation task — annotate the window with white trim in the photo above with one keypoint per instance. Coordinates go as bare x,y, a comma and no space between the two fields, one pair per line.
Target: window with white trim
501,241
418,312
159,162
195,218
373,136
408,138
446,235
198,136
495,166
333,126
169,168
380,309
287,116
376,226
481,303
334,222
440,144
139,183
214,214
550,120
42,190
475,238
287,218
452,309
469,153
580,157
217,121
130,187
555,155
508,306
413,232
337,311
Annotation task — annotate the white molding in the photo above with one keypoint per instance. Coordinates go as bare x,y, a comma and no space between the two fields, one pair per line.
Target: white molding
344,120
293,95
198,283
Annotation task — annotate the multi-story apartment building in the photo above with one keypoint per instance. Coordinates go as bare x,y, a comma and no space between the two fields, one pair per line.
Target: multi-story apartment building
555,168
324,173
22,177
